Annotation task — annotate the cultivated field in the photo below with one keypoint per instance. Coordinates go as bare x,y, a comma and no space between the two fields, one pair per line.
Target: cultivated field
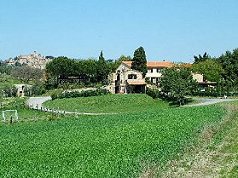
141,138
108,104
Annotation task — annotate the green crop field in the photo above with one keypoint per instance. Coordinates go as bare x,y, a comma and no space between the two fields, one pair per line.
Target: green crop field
108,104
119,145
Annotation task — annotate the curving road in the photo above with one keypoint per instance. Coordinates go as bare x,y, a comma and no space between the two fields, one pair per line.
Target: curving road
37,103
207,101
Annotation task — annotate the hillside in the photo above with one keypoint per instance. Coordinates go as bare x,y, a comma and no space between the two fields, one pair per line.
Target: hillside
119,145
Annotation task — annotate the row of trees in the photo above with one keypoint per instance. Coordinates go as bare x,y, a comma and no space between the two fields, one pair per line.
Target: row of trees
23,73
90,71
177,82
223,70
86,71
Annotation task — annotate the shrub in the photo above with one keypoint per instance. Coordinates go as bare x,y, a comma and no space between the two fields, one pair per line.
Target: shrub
154,93
84,93
10,91
38,89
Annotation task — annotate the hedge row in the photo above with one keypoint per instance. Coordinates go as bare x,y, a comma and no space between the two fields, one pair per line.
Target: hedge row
155,93
75,94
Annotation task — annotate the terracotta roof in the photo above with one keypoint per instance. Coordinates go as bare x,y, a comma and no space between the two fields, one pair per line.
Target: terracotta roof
136,82
185,65
128,63
153,64
160,64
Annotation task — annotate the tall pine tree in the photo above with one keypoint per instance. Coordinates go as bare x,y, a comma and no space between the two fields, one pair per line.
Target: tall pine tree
139,61
102,69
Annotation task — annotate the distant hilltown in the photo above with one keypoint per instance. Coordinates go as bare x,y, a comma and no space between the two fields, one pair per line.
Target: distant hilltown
34,60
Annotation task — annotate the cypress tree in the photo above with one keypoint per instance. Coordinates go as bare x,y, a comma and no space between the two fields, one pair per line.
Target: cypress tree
139,61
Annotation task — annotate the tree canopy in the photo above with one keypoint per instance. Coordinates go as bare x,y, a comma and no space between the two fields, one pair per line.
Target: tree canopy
102,69
87,71
229,62
201,58
26,73
211,70
139,60
176,83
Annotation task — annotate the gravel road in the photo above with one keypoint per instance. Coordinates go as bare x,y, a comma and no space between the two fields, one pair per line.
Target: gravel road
207,101
37,103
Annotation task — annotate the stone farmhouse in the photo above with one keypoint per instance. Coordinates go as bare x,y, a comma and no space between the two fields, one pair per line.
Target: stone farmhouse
33,60
127,80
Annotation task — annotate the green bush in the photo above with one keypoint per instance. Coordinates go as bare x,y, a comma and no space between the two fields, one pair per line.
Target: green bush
75,94
173,100
38,89
10,91
154,93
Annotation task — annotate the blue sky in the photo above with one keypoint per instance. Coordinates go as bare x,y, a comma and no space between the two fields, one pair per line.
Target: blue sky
173,30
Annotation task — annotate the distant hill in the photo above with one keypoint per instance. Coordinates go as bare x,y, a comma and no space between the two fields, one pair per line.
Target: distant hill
34,60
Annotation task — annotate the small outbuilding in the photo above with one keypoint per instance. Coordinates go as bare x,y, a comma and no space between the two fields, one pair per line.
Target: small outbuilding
21,88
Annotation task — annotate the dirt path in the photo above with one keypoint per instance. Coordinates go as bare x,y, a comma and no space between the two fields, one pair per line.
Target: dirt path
37,103
207,101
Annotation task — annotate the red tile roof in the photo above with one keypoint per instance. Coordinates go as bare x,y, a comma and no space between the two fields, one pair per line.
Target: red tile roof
136,82
159,64
128,63
153,64
185,65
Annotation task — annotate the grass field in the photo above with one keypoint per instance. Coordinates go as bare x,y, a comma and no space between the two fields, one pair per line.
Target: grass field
24,114
122,145
7,81
215,154
108,104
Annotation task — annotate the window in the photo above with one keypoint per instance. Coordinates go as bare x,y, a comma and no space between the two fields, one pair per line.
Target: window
132,76
151,70
153,80
158,70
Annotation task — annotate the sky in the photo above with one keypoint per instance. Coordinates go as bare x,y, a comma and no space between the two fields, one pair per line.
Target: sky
173,30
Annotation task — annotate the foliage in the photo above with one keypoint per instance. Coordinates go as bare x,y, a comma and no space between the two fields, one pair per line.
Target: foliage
102,69
63,70
10,91
201,58
83,93
119,145
113,65
139,60
211,70
6,82
26,73
61,66
223,70
177,83
124,58
154,93
35,90
5,69
229,62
